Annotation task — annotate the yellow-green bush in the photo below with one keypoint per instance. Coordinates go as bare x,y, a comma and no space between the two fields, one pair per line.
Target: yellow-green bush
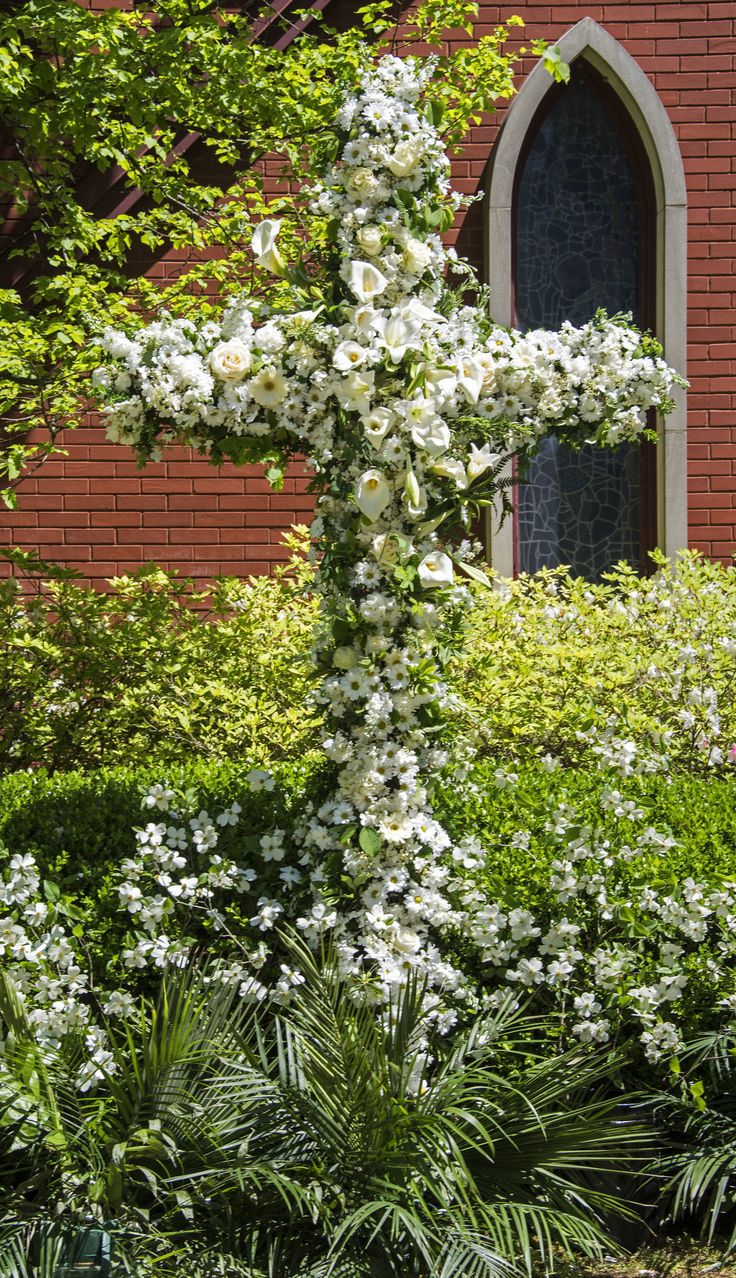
637,673
153,668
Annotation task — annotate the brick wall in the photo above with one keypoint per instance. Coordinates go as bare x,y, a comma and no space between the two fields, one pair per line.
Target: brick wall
97,512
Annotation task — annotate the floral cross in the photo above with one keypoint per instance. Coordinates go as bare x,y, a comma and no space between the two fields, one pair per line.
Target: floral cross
409,403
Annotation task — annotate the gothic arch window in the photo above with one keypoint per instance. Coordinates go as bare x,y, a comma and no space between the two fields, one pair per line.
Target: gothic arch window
586,208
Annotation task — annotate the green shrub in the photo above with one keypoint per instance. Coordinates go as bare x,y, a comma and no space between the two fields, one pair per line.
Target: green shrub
675,837
636,673
152,667
80,827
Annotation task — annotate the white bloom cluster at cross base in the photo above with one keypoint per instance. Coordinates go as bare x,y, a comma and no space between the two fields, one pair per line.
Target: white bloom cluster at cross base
607,954
408,403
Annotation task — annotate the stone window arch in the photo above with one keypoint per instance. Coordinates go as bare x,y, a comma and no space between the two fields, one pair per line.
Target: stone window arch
587,47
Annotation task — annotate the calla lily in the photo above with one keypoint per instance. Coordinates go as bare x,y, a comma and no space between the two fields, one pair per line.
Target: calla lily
377,424
366,281
372,494
436,570
411,487
263,245
348,355
416,497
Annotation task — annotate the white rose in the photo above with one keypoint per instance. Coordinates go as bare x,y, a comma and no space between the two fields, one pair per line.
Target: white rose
263,246
434,438
370,240
405,158
417,256
385,548
366,281
372,494
230,361
359,181
436,570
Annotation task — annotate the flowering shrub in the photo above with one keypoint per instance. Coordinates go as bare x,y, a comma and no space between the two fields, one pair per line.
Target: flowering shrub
636,674
612,910
632,675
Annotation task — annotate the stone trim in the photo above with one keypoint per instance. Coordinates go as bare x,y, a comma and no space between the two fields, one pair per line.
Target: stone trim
637,93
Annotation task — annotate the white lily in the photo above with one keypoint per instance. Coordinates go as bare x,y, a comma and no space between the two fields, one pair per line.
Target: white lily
355,390
481,460
372,494
436,570
368,320
470,378
399,336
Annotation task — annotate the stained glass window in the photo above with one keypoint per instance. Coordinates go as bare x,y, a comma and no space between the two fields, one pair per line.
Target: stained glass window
577,247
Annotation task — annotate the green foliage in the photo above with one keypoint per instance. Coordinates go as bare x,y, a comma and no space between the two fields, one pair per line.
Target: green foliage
699,1165
701,818
634,674
322,1139
581,671
155,668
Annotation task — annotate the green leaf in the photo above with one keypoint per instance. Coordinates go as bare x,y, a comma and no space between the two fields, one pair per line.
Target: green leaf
472,570
370,841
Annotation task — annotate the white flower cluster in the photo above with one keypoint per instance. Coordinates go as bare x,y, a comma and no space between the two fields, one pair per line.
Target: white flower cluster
41,959
610,948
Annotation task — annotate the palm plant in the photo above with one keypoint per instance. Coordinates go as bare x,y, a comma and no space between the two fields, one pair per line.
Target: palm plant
700,1121
323,1140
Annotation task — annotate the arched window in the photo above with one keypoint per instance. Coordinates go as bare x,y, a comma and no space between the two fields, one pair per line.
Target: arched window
583,232
586,207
